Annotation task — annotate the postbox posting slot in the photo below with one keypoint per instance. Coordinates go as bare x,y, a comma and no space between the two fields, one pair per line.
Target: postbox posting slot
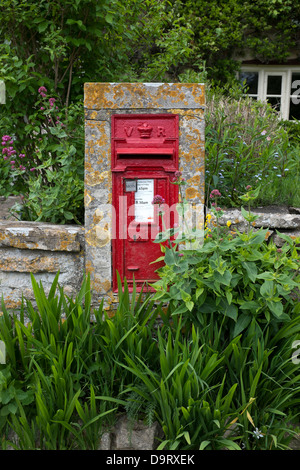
144,153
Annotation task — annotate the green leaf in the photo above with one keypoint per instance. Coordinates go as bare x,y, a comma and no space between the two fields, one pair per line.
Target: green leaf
242,322
199,291
267,275
43,26
267,289
180,309
251,270
109,18
169,257
7,409
275,307
250,305
68,215
231,311
204,444
190,305
228,296
223,278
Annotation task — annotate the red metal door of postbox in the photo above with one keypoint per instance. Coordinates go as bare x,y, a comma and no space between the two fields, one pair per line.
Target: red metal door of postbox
142,168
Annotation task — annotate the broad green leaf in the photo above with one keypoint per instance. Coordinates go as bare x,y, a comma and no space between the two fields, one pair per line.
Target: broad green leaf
242,322
190,305
267,289
228,296
251,270
204,444
231,311
275,307
268,276
169,257
250,305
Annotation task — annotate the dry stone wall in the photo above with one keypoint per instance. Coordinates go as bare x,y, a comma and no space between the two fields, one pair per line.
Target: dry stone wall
275,219
44,249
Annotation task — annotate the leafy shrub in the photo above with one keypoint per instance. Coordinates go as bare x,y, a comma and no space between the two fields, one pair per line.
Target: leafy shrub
214,367
50,177
234,275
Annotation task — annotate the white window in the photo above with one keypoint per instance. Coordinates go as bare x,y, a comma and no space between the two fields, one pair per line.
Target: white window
280,86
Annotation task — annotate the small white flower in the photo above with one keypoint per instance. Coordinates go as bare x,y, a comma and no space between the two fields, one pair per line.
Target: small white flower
257,433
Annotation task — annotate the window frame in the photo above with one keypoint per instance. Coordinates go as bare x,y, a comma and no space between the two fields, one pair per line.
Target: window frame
286,90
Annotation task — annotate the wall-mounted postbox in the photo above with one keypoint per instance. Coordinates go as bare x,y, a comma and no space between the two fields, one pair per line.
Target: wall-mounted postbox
144,158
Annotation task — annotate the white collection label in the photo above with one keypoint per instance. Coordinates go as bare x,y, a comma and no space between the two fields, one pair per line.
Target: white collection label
144,209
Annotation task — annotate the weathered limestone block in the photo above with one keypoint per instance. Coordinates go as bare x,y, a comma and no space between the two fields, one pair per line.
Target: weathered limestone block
287,223
41,236
267,220
43,250
135,436
143,96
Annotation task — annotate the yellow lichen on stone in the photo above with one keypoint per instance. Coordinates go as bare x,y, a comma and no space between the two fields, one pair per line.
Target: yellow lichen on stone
191,193
98,236
87,198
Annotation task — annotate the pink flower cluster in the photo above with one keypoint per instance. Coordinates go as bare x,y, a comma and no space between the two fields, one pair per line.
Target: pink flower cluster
43,92
215,193
177,177
8,151
158,200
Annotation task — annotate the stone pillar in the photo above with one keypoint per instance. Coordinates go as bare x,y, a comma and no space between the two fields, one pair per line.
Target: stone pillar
102,100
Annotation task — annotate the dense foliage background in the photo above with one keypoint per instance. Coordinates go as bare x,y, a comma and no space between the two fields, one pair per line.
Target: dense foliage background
216,371
60,45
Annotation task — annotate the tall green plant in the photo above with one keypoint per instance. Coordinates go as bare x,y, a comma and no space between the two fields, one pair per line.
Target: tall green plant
247,145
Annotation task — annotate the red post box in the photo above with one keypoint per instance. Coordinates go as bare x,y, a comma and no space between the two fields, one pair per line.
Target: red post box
144,159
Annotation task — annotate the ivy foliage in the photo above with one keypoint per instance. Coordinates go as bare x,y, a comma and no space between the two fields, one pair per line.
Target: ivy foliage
60,45
226,30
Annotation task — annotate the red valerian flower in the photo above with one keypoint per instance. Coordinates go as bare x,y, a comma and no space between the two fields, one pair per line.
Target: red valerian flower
158,200
215,193
42,91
